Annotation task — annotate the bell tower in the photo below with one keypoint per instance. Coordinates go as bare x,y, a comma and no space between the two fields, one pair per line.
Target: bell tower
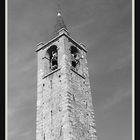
64,102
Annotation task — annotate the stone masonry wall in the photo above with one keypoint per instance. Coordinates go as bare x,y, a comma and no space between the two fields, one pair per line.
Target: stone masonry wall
64,102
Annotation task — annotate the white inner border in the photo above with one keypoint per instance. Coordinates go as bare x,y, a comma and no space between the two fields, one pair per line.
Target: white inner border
6,69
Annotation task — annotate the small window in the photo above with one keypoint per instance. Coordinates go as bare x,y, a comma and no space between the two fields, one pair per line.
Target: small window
53,57
74,57
44,136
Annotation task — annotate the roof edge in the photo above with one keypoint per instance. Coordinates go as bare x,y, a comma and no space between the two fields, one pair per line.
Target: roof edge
41,45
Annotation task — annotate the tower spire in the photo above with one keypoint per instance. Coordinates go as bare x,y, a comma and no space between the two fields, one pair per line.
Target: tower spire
59,21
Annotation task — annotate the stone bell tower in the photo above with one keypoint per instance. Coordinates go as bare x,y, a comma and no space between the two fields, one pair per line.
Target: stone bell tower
64,102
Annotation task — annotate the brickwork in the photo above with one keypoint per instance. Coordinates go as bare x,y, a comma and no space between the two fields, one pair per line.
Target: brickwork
64,103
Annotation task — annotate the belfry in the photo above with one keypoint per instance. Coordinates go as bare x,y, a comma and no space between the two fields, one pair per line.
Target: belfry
64,102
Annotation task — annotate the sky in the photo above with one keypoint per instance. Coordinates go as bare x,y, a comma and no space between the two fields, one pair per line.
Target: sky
104,26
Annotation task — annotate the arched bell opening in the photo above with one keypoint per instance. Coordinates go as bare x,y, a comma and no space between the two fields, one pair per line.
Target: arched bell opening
53,57
75,57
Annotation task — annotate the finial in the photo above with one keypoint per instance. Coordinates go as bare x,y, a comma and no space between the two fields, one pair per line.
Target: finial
58,14
59,9
59,20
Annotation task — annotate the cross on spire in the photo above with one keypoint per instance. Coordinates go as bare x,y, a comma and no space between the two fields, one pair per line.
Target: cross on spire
59,21
58,7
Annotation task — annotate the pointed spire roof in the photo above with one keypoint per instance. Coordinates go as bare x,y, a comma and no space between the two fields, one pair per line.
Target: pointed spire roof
59,23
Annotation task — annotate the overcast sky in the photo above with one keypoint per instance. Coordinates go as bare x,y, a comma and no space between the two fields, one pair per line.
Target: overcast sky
104,26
